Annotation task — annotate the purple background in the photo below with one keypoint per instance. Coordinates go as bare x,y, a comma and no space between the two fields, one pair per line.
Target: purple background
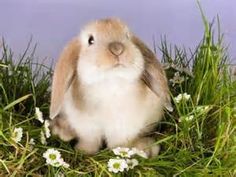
54,22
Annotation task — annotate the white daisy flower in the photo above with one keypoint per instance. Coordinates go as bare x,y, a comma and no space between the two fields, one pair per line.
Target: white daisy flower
177,79
189,118
31,142
39,115
202,109
140,153
123,152
117,165
186,118
46,129
186,96
43,138
131,163
64,164
181,97
52,156
17,134
178,98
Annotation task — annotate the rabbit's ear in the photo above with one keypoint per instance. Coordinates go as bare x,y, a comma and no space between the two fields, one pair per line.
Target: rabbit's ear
64,73
154,75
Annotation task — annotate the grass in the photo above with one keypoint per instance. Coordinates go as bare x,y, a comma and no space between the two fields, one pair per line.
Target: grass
202,146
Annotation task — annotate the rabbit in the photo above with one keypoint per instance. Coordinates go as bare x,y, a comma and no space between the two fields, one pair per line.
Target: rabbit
108,86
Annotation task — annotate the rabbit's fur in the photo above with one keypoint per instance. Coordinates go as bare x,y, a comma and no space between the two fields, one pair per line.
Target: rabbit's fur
108,86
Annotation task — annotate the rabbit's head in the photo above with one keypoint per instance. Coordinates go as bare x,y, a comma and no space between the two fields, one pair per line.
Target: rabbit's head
107,50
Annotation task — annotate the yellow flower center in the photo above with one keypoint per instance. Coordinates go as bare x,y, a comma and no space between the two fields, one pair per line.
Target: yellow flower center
52,156
116,165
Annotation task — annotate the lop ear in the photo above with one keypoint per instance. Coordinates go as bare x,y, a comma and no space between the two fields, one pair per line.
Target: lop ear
64,73
154,75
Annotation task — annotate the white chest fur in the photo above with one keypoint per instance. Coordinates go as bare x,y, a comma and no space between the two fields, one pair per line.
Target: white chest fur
116,111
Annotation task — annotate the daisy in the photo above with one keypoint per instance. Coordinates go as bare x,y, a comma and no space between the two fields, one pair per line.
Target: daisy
39,115
42,138
131,163
17,134
178,98
202,109
52,156
177,79
63,163
181,97
186,118
186,96
117,165
46,129
140,153
123,152
31,142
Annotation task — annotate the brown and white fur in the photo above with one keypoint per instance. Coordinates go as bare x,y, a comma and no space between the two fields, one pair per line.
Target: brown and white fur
108,86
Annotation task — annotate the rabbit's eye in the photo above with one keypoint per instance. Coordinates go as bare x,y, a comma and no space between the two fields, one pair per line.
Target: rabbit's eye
91,40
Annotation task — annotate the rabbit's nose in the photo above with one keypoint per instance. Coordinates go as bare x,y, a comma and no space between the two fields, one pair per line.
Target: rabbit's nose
116,48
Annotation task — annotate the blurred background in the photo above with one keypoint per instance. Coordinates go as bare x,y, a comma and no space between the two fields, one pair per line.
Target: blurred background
52,23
